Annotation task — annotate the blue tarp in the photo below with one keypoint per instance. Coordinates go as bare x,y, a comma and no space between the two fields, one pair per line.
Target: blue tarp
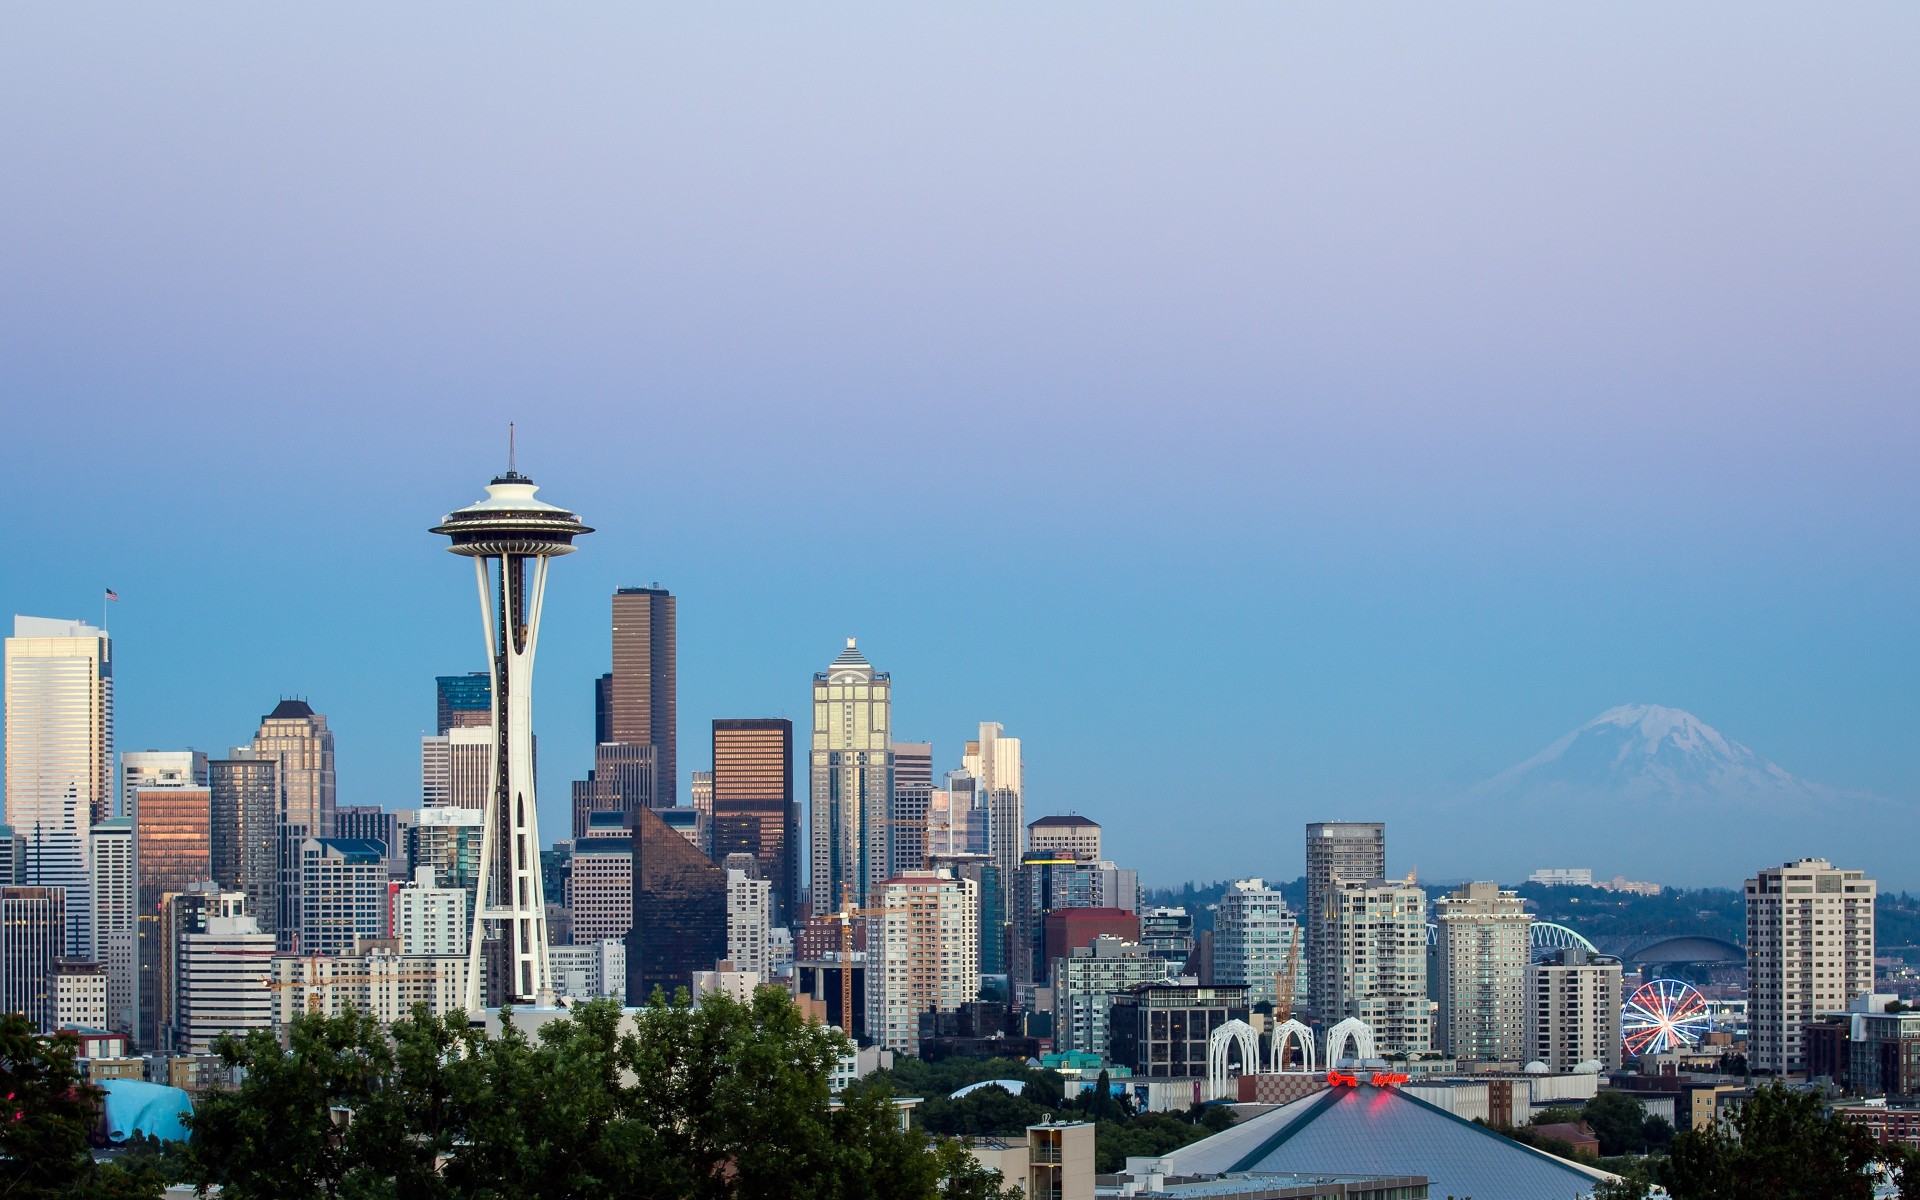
147,1108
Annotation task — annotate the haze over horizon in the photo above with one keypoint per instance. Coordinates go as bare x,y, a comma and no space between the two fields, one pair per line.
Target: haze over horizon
1269,415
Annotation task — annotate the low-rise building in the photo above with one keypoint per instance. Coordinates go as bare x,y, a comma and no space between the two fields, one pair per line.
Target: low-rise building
1160,1030
375,980
79,994
588,972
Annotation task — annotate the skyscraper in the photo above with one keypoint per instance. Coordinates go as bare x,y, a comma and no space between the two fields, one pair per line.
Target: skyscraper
1482,950
173,850
1809,952
700,792
59,700
622,779
1068,835
1573,1010
599,889
512,538
297,738
33,924
159,768
1355,850
994,760
1376,951
924,949
852,778
1254,936
749,915
222,961
244,793
679,910
753,808
343,893
462,701
114,926
372,823
907,816
642,697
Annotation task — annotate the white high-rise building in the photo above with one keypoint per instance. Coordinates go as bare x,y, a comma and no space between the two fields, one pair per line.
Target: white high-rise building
59,702
923,954
343,894
1377,945
1481,952
1255,936
599,889
1573,1010
221,973
994,760
749,918
159,769
512,539
429,919
852,779
111,868
1809,952
1350,850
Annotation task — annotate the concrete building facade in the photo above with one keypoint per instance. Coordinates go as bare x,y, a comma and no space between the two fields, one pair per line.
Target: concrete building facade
1809,952
1481,951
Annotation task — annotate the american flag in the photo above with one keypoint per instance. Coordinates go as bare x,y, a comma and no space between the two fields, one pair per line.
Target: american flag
113,595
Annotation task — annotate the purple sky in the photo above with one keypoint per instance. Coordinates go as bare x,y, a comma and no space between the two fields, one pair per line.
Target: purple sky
1272,413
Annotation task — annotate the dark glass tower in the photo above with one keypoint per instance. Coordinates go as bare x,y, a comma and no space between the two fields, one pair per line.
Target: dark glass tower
462,700
245,835
753,808
642,704
679,910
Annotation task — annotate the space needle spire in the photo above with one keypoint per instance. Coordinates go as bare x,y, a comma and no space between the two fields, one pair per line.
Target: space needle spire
511,537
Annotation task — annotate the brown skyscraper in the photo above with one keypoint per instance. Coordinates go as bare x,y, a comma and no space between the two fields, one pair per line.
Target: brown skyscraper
641,704
173,845
753,808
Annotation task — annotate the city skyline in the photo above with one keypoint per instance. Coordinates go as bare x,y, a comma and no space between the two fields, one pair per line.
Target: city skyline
1420,425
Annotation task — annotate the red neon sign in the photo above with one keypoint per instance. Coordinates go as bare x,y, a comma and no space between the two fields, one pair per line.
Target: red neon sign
1337,1079
1388,1078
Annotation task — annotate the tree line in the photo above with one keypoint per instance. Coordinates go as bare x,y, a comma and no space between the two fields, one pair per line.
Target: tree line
723,1101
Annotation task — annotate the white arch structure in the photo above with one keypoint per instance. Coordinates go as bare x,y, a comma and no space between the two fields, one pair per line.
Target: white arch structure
1291,1031
1351,1032
1220,1047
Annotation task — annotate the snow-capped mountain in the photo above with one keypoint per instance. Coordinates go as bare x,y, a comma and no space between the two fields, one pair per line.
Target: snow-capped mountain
1655,793
1645,751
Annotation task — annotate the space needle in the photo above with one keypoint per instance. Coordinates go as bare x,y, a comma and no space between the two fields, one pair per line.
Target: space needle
511,537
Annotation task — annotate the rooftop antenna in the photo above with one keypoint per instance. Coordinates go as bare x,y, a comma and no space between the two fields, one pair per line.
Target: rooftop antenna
510,469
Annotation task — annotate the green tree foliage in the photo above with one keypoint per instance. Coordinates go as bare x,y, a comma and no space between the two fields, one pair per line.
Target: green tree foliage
1559,1114
47,1114
726,1101
1618,1120
1780,1145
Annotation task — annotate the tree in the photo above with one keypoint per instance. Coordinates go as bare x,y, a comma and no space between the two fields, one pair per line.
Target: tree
1618,1120
47,1115
1559,1114
724,1101
1780,1144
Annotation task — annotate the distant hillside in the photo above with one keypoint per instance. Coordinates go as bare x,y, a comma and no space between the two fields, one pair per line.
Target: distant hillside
1604,918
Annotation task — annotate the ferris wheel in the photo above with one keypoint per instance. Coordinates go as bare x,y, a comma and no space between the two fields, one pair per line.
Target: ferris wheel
1661,1015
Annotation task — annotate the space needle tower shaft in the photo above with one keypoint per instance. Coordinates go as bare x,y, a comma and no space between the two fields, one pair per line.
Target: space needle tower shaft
511,537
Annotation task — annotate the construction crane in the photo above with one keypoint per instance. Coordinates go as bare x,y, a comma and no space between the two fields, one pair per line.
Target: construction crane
846,917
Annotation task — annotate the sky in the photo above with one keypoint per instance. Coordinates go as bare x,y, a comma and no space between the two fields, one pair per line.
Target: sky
1269,413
